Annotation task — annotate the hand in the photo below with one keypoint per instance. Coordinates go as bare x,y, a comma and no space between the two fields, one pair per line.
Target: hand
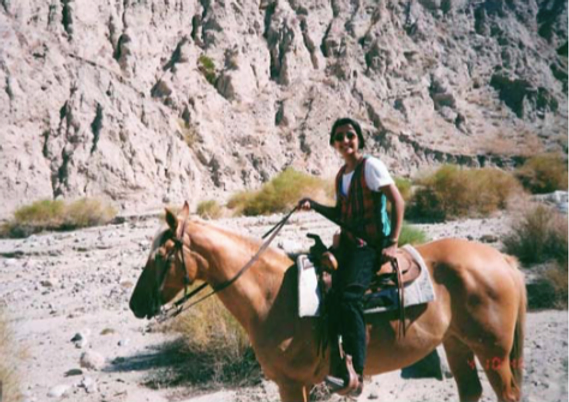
305,204
389,254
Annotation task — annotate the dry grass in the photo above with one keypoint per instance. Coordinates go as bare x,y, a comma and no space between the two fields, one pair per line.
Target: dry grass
537,235
9,379
404,187
452,193
209,209
281,194
559,281
544,173
189,133
412,235
57,215
219,347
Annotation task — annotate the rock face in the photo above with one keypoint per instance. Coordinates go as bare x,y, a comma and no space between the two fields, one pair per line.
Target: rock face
155,102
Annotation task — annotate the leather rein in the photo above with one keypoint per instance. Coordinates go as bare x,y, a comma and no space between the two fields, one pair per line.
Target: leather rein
178,306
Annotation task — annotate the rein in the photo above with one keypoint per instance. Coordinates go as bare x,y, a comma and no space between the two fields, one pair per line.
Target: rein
178,306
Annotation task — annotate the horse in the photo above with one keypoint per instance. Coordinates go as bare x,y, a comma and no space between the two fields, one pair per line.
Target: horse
479,309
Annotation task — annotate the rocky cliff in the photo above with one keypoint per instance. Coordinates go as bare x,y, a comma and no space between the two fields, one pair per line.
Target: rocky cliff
149,102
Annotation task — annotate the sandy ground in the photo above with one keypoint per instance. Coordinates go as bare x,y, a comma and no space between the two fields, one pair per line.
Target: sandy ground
55,285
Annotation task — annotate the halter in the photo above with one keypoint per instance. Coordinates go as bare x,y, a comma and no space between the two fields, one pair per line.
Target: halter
178,306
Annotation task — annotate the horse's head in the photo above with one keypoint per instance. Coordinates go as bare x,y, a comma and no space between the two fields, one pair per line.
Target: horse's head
170,267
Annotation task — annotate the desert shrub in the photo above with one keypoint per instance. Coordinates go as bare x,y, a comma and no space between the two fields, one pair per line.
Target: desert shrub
9,380
538,235
57,215
207,68
451,192
412,235
280,194
404,186
189,133
87,212
544,173
209,209
559,280
549,290
219,347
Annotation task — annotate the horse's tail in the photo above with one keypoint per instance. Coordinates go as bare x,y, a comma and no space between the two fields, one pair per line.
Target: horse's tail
517,352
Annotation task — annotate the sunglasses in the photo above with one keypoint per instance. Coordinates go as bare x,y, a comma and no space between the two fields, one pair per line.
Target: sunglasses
340,136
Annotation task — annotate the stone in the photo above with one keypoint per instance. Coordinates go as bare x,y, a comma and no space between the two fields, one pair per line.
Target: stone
89,384
92,360
58,391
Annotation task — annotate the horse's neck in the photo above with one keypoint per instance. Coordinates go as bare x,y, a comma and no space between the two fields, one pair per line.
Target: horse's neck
250,297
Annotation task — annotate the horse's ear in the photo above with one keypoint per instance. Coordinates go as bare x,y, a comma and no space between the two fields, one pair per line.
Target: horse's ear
185,211
171,220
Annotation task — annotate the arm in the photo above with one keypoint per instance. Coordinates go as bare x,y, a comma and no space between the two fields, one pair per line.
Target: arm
397,211
306,204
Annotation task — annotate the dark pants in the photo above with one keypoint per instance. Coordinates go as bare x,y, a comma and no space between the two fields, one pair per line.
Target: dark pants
356,269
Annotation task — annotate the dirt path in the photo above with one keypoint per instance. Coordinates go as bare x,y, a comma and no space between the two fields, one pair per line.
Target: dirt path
56,285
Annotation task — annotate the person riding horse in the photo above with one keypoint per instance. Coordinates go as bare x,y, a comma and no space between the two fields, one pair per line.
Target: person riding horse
363,184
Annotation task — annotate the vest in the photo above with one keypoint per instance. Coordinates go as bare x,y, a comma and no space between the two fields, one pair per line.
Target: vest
362,209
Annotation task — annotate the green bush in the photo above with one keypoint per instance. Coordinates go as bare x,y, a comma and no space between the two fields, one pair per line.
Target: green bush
412,235
539,235
280,194
207,68
57,215
209,209
544,173
452,193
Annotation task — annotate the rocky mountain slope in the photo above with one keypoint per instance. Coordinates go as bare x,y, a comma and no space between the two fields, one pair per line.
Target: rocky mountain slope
150,102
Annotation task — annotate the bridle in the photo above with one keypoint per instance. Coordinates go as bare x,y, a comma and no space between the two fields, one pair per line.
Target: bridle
178,247
178,306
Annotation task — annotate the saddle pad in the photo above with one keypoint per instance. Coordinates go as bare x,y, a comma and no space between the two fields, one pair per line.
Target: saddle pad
309,295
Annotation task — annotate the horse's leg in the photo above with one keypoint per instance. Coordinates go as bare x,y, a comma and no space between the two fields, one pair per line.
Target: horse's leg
461,361
292,391
497,368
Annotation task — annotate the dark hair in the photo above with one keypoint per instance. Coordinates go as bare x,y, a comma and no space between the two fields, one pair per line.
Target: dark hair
342,122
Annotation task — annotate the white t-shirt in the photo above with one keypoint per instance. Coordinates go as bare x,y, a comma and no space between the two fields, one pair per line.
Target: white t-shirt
376,176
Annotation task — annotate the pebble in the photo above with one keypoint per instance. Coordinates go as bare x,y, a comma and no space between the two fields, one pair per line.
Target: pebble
89,384
81,339
48,283
92,360
373,395
58,391
124,342
73,372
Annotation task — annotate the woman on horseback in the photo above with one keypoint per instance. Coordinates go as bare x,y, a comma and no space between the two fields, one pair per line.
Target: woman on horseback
363,185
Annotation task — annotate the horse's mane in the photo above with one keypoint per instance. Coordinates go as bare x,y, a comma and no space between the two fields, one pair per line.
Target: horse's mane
251,244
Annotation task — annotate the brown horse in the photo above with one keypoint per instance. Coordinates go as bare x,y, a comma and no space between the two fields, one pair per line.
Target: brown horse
479,308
